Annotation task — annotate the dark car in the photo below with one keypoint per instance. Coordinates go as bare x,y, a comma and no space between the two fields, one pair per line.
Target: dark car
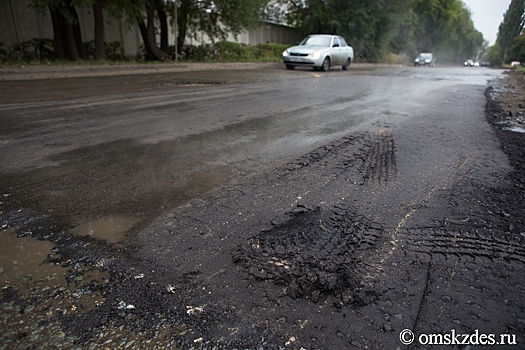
426,59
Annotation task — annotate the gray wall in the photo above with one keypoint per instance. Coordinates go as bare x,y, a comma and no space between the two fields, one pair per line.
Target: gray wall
20,23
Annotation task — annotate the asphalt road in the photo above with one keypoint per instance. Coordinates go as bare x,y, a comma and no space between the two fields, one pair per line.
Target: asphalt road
159,148
271,208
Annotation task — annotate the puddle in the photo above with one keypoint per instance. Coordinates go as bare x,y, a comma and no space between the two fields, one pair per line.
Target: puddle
22,258
111,228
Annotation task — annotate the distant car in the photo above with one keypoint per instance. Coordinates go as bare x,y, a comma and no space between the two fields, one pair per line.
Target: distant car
469,63
425,58
319,51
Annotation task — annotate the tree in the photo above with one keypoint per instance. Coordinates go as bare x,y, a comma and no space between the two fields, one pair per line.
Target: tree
66,29
368,25
148,32
495,55
446,27
99,30
517,51
511,26
217,18
375,27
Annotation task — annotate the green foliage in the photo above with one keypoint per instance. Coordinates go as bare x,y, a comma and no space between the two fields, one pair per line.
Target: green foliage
376,27
219,17
114,50
225,51
392,58
511,27
494,55
36,49
517,51
43,50
3,52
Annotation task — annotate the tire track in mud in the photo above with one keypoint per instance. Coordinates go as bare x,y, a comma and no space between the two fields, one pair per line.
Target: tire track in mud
315,252
379,166
369,156
461,244
319,251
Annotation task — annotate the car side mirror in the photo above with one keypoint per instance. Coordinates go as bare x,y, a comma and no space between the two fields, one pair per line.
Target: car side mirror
335,45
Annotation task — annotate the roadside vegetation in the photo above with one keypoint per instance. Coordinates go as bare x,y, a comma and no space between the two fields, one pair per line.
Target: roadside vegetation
386,31
41,51
510,45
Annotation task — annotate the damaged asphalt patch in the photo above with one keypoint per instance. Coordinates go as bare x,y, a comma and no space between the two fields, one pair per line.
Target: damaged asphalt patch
409,225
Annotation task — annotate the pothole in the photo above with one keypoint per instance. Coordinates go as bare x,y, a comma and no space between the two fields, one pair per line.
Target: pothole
314,253
111,228
23,261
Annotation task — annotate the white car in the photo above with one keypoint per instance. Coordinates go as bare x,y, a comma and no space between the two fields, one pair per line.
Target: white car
320,52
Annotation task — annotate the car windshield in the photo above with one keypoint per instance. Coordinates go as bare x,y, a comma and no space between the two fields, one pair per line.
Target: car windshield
317,41
425,55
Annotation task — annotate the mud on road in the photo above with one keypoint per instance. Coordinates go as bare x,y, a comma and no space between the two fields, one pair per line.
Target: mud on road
337,249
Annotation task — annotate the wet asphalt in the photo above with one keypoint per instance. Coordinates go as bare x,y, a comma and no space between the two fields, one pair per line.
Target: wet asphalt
259,208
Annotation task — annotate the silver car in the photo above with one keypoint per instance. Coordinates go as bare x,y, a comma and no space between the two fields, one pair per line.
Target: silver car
320,52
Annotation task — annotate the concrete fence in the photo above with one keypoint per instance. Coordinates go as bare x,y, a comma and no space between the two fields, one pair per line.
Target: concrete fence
20,23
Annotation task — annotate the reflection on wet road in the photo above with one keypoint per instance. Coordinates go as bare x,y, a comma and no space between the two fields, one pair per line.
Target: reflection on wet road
123,186
133,155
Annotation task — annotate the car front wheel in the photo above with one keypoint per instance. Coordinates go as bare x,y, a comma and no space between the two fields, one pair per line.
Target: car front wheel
290,67
347,64
326,64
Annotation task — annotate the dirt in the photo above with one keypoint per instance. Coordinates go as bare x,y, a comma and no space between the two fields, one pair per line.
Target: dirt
330,271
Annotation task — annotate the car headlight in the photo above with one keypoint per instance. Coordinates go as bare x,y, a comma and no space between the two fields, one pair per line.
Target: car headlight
416,60
314,55
427,61
285,53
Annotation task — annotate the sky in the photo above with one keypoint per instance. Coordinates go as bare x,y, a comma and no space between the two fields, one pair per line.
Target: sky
487,16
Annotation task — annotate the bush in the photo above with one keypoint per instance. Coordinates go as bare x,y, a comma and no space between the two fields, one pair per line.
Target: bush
36,49
225,51
114,51
392,58
39,50
3,52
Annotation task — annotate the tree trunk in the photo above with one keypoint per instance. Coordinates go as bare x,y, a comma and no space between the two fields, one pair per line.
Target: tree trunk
183,23
100,53
164,44
57,34
150,32
67,36
144,35
77,35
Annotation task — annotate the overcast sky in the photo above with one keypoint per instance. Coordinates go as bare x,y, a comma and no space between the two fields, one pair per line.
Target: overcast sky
487,16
